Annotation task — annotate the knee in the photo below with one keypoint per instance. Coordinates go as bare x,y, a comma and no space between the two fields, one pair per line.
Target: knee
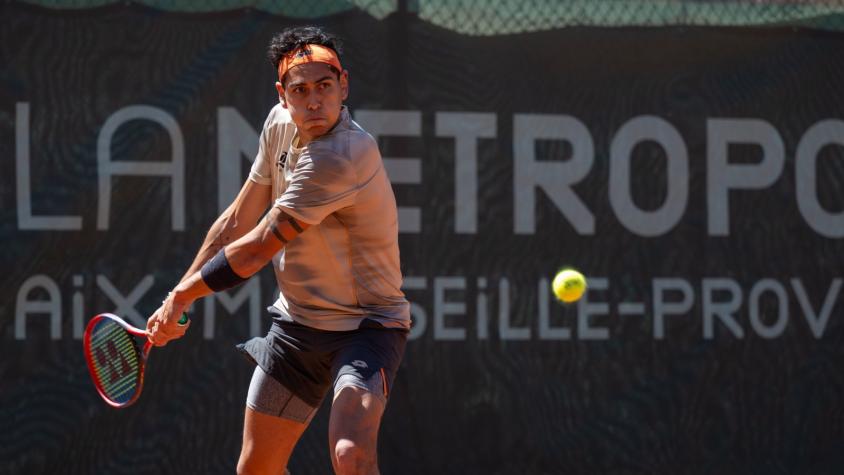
352,459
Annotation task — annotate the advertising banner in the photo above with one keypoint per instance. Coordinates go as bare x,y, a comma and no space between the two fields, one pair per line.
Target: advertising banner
694,175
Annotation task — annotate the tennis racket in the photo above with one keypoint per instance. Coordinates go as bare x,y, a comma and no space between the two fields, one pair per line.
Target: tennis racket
114,358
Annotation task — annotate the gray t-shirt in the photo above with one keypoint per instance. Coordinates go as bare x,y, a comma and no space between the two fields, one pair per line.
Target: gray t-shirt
345,267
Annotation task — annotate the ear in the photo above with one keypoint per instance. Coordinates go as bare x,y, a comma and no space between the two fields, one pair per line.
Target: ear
344,84
280,89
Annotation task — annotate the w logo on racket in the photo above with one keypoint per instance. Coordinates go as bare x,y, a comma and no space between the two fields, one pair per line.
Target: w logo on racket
111,361
115,362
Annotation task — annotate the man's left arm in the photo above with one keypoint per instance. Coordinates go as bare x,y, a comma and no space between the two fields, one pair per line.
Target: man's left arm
233,265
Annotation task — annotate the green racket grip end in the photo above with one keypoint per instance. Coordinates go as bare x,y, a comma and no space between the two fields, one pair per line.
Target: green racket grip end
183,320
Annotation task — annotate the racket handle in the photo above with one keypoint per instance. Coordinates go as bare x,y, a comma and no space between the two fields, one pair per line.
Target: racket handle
183,320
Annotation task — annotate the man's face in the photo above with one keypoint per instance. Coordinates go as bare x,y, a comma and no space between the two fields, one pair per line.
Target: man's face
313,94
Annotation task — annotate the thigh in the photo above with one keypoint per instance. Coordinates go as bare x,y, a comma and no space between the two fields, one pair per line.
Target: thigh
353,430
268,442
275,418
363,368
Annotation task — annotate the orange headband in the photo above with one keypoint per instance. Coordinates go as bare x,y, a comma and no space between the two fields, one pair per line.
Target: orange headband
308,54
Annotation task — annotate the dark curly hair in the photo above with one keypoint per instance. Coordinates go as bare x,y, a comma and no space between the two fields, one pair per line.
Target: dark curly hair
295,37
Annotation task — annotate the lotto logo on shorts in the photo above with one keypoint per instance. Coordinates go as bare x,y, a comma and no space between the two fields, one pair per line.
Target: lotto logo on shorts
359,364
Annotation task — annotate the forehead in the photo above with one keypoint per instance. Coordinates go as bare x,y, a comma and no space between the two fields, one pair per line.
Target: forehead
309,72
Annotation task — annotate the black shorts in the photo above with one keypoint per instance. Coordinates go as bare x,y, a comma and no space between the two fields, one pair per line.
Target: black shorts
308,361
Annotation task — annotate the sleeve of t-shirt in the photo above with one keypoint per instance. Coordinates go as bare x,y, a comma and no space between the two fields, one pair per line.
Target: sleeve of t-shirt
322,183
261,171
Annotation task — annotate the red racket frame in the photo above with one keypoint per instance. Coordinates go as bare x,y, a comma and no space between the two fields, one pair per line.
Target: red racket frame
86,340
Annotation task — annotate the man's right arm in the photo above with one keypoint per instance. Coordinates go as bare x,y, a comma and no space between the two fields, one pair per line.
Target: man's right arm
238,219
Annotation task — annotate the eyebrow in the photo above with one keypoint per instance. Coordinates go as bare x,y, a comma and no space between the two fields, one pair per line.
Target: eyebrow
294,84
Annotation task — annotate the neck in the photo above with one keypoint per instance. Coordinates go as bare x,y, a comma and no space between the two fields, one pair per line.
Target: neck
304,139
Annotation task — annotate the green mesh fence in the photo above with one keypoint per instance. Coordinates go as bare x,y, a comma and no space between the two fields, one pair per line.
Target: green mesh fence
495,17
294,9
516,16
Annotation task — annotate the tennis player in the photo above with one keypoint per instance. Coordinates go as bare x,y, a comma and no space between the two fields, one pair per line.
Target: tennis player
341,321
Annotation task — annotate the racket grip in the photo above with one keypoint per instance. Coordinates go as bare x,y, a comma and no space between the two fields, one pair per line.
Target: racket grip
183,320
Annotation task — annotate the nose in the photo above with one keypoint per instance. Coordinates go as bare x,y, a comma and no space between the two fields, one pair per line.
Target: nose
314,102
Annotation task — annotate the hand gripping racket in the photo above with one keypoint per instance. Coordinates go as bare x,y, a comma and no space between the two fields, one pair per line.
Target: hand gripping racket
114,359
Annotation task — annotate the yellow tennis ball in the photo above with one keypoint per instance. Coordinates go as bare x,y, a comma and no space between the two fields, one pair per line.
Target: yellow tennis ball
569,285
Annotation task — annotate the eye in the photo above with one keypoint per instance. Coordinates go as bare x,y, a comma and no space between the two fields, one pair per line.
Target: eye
299,90
324,85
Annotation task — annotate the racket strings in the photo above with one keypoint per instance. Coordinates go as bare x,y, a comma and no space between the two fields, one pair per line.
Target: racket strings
116,361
